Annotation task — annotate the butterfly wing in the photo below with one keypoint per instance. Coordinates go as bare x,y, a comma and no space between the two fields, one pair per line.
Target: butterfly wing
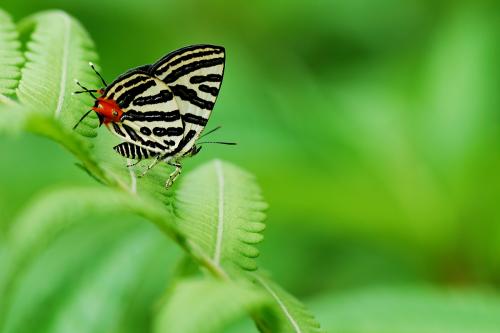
151,118
194,75
129,150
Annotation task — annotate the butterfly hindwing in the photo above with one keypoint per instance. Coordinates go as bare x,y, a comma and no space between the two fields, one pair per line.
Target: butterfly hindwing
194,75
151,118
129,150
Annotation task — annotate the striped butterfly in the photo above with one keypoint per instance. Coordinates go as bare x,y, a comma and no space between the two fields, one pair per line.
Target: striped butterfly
160,110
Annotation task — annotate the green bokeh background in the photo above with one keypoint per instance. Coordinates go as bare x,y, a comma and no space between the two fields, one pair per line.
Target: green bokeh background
372,127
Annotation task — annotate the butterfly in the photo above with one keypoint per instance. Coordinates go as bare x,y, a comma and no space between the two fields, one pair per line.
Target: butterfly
160,110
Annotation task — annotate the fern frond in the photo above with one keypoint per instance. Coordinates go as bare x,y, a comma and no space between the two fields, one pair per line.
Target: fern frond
208,305
289,314
49,291
220,208
10,57
58,51
107,288
46,217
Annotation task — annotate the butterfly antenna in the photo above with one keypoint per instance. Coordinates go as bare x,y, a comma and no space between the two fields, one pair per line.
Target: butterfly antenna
83,117
211,131
84,90
98,74
219,142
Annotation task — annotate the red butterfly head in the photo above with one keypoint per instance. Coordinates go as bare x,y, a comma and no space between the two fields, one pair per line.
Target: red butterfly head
107,110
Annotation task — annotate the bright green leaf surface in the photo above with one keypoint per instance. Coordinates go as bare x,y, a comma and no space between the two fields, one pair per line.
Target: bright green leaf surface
220,207
10,57
221,304
58,52
291,315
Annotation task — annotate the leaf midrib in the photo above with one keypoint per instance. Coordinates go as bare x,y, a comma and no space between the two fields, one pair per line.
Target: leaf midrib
280,304
64,73
220,215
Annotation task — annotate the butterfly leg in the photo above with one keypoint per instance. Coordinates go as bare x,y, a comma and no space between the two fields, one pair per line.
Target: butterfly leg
173,176
130,164
151,166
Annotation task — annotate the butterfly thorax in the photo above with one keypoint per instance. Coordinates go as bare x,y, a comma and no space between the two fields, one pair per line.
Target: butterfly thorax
107,110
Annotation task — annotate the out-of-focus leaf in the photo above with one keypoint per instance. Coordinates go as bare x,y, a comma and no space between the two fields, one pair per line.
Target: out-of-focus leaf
205,305
460,88
55,270
100,300
109,264
12,119
409,310
44,219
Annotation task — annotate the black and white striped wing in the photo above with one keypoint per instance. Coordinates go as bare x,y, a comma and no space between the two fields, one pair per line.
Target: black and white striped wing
132,151
194,74
151,118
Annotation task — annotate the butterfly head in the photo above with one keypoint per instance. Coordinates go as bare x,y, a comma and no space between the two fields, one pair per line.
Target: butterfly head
107,110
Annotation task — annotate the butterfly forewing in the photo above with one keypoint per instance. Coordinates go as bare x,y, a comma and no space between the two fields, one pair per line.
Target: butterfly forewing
151,118
194,75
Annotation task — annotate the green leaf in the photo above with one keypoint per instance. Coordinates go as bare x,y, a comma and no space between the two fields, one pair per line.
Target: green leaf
460,94
107,289
12,119
409,310
47,217
220,209
10,57
57,52
54,273
15,119
288,313
206,305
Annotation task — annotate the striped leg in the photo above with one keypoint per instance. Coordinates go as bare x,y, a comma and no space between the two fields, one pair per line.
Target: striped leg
155,162
173,176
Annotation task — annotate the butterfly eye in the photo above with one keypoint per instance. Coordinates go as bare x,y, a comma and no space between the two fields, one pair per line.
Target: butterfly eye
115,113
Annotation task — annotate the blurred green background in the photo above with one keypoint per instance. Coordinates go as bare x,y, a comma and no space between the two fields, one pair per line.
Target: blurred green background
372,127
